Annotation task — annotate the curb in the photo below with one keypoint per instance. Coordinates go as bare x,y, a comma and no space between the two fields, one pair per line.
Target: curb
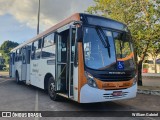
4,76
149,92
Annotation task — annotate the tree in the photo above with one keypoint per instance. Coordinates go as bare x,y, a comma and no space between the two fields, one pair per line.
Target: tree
5,48
155,51
8,45
142,18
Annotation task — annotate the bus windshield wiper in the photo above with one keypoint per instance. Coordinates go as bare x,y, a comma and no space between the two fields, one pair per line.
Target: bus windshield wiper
104,39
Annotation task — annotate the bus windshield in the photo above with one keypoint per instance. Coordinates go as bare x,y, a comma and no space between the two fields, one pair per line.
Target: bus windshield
118,54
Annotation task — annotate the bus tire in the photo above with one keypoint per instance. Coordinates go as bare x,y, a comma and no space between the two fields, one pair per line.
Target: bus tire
17,79
51,89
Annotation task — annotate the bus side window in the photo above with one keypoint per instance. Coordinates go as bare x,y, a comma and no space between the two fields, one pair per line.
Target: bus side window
20,55
13,58
28,56
17,55
23,55
48,40
33,52
48,49
36,49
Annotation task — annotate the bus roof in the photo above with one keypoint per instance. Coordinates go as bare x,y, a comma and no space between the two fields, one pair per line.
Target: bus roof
74,17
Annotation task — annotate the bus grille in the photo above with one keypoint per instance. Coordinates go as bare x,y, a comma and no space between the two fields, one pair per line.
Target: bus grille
110,96
114,78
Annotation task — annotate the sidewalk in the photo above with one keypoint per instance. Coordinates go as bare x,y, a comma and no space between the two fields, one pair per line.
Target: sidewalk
150,90
151,74
151,84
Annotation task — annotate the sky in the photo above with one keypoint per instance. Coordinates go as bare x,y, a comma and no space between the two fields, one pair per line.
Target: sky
18,18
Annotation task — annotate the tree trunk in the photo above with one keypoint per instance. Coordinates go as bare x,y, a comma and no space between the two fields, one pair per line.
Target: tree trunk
140,64
140,73
155,65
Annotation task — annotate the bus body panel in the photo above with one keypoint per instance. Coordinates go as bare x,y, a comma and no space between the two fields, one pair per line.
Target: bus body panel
28,74
24,71
75,83
81,76
13,71
39,69
43,71
18,66
90,95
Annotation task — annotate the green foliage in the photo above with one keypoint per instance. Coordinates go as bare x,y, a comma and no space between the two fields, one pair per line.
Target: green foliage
5,48
145,66
155,49
141,16
8,45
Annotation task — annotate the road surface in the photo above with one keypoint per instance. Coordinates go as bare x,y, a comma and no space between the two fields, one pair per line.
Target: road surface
15,97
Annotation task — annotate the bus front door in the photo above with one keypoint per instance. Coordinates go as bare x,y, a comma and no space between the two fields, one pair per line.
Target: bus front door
64,61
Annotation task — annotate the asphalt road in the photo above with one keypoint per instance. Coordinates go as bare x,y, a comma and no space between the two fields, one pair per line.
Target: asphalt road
15,97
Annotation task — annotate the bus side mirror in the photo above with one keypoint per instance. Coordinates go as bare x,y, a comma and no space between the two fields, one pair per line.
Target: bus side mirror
124,35
79,34
79,37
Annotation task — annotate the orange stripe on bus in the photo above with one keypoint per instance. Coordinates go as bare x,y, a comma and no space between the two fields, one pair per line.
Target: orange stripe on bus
113,85
127,58
81,77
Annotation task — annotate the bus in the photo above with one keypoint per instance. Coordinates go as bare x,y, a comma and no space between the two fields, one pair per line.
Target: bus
85,58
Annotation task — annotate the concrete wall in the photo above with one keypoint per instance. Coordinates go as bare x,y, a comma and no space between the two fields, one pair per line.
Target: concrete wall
151,68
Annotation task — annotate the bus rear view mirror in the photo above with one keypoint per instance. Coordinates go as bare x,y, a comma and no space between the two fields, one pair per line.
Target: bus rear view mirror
79,38
124,34
79,34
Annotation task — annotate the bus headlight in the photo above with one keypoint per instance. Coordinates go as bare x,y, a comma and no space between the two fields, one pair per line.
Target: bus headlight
91,82
135,80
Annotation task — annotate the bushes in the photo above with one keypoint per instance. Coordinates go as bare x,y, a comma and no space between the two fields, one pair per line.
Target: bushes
145,66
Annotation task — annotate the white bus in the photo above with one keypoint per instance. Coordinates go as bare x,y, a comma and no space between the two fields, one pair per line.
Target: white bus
85,58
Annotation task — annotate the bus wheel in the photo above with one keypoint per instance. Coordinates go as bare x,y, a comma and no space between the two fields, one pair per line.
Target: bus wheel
17,79
51,89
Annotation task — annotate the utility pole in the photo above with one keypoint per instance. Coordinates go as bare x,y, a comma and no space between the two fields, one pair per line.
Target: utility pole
38,17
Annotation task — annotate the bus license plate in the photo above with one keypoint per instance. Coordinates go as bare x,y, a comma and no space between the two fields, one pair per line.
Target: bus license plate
117,93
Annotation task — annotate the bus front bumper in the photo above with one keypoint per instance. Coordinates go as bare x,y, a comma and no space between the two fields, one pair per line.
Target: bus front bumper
90,95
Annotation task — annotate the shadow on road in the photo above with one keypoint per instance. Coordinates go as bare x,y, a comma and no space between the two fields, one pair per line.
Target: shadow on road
109,106
70,105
